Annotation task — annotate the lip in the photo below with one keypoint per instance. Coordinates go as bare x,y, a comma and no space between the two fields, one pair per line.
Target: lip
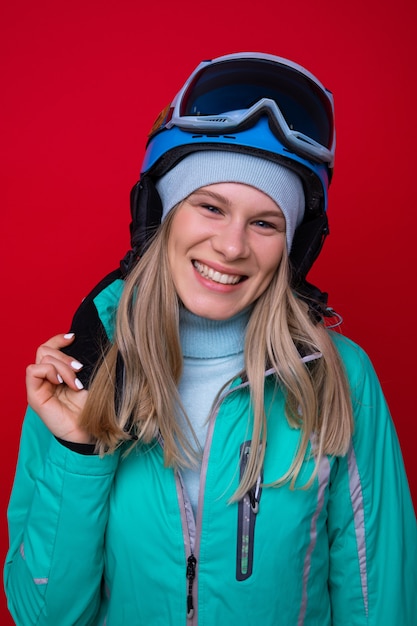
226,278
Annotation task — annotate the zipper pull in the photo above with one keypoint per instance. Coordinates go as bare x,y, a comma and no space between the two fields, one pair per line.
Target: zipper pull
191,563
255,495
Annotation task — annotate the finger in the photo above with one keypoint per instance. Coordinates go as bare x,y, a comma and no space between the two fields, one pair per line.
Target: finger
53,347
65,370
57,355
59,341
41,383
36,373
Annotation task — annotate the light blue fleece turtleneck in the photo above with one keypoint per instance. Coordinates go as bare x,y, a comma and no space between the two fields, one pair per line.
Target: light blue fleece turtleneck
213,354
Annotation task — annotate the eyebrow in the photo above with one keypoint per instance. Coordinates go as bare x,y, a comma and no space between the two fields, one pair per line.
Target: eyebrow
220,198
212,194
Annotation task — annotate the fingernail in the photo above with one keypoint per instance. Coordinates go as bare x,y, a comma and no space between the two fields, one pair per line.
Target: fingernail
78,384
76,365
60,379
69,335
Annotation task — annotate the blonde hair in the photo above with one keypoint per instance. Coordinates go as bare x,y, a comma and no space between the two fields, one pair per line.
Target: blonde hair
147,342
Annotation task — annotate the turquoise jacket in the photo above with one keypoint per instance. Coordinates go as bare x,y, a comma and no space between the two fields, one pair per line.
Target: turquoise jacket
113,540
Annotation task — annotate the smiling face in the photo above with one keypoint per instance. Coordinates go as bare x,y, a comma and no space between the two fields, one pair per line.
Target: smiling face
225,244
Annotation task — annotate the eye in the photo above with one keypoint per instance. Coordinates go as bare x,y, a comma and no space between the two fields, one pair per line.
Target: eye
264,224
211,208
269,227
276,226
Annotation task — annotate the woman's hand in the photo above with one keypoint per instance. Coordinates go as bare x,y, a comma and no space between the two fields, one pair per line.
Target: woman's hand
55,392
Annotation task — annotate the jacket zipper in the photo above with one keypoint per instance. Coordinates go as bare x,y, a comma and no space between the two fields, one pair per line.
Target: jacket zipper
190,574
189,532
191,529
248,509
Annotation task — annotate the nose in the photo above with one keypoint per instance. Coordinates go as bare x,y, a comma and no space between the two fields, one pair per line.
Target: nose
232,242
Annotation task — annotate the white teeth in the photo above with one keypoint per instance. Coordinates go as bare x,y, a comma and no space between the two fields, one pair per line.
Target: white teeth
217,277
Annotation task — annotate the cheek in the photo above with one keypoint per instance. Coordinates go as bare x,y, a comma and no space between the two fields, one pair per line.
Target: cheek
271,258
175,239
180,241
170,253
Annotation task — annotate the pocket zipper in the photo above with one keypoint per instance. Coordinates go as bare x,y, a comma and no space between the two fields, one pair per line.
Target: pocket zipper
248,509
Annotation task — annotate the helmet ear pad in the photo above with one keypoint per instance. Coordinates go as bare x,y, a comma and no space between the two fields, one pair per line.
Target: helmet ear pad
307,243
306,246
146,212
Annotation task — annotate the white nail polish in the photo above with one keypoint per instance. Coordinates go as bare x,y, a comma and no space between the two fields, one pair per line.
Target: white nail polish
68,335
60,379
76,365
79,384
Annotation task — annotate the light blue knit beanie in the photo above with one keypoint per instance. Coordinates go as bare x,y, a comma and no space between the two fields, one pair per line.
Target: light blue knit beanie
208,167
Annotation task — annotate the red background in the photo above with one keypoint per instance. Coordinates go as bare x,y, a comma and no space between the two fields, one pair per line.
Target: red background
83,82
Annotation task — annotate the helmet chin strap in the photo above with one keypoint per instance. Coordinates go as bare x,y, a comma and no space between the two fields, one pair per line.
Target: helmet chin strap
315,299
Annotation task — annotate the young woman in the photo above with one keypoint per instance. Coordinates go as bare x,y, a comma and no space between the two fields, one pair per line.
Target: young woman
201,448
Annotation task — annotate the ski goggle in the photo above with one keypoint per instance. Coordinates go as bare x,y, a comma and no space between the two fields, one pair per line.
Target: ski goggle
230,93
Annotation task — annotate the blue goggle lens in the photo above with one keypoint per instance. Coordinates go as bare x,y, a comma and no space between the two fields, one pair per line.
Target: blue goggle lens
235,85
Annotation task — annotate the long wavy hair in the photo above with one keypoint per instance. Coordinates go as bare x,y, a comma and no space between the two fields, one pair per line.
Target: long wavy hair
147,344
